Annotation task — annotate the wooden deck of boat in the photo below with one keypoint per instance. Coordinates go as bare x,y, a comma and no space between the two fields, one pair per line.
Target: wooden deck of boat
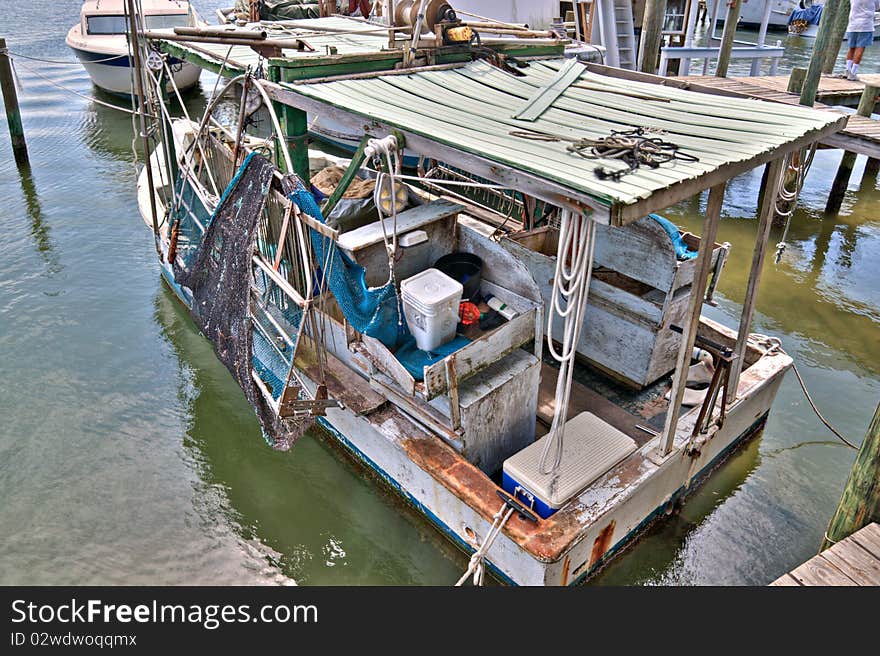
861,135
854,561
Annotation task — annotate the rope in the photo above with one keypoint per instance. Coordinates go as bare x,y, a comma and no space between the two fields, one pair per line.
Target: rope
635,148
77,93
7,51
771,346
571,284
377,149
477,564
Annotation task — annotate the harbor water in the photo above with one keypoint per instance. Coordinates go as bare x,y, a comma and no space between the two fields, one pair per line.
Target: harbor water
128,455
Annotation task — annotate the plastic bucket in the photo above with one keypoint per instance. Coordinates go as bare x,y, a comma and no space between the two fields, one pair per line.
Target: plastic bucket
466,269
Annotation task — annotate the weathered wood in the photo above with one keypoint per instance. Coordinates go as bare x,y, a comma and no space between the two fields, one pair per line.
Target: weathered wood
851,559
727,36
860,502
10,102
841,19
701,277
652,35
820,47
786,580
819,571
481,353
796,79
868,538
844,171
545,96
384,361
766,212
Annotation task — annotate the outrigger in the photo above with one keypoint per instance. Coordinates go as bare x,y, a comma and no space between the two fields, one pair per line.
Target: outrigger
547,439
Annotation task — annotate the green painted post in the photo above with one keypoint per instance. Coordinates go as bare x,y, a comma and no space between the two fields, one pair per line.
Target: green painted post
860,503
10,102
820,47
840,21
727,37
844,171
295,125
652,35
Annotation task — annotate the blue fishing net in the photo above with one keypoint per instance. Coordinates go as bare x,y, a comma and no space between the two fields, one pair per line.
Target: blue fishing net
682,252
373,312
415,361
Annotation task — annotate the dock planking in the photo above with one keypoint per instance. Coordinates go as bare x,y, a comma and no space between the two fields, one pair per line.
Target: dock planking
854,561
861,134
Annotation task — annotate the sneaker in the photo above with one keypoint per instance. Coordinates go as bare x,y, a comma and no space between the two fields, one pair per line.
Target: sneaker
840,76
853,77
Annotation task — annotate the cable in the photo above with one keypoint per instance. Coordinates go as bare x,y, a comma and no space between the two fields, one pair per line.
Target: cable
65,63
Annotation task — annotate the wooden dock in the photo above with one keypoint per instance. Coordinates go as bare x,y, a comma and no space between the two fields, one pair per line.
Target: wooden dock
861,135
854,561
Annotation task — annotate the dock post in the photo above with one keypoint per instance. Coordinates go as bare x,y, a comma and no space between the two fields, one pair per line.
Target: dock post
695,304
294,123
727,37
840,21
844,171
766,212
652,35
860,502
10,102
820,47
796,80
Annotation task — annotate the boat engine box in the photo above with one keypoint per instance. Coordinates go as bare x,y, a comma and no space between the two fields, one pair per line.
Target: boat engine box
591,447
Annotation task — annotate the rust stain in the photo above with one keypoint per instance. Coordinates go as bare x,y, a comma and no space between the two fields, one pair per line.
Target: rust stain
566,565
602,543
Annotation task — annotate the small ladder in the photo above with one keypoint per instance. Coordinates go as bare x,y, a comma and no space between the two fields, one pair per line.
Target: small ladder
615,32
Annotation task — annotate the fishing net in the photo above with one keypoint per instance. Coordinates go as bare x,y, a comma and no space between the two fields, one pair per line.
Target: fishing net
219,276
371,311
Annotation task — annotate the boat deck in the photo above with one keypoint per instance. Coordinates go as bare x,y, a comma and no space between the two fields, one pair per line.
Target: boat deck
854,561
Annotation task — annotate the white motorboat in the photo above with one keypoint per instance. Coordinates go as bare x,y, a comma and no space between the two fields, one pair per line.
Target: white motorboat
100,41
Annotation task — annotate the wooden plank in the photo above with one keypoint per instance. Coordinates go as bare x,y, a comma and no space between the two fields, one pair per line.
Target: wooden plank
851,559
385,362
411,219
481,353
545,96
869,539
818,571
786,580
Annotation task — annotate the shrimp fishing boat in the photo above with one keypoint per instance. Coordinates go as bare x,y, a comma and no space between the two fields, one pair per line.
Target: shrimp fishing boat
100,41
508,340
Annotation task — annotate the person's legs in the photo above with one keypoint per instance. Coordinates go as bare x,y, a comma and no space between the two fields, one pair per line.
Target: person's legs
857,55
849,59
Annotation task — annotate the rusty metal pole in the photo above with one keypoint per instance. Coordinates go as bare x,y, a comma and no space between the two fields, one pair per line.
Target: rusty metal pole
10,102
860,502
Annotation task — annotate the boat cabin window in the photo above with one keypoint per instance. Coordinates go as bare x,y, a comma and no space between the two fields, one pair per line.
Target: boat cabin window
106,24
119,24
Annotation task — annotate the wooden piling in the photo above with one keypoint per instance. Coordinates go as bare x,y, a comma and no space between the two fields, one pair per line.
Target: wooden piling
839,29
860,503
796,80
727,36
652,35
820,47
10,101
844,171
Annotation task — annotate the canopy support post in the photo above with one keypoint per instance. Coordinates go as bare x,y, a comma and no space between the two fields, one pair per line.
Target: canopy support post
775,171
698,288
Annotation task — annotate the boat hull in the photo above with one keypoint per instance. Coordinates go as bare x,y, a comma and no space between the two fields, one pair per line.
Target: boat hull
112,73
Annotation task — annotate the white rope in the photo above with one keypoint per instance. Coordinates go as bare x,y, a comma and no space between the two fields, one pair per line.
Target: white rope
477,564
571,284
377,149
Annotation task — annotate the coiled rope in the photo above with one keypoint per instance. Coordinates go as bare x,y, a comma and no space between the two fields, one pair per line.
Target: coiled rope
772,345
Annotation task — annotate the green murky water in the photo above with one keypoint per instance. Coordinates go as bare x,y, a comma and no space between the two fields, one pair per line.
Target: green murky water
128,455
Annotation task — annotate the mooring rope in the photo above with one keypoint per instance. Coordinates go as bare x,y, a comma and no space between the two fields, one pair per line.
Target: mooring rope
771,345
477,564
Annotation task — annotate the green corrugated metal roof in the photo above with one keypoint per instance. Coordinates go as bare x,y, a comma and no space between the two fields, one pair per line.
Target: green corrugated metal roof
470,108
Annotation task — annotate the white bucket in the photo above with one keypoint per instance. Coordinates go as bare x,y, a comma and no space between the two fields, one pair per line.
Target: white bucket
430,305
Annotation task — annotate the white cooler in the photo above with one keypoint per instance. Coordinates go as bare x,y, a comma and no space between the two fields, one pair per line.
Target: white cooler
430,305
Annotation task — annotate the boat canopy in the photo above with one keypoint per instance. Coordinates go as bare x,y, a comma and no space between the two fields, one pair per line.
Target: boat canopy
530,127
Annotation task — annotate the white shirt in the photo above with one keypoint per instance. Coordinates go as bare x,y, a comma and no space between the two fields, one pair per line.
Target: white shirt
861,15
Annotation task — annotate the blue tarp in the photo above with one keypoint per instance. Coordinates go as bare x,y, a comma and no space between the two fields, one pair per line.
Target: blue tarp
681,249
811,14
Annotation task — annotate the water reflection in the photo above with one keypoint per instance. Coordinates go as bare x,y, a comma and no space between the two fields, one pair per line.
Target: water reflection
39,227
315,514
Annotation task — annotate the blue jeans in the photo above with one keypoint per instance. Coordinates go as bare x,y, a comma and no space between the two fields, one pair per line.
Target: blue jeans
860,39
